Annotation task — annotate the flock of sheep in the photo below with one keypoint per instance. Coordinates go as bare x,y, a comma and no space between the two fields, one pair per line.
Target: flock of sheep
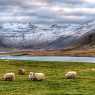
36,76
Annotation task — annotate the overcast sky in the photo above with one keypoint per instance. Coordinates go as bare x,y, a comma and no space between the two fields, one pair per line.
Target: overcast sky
47,11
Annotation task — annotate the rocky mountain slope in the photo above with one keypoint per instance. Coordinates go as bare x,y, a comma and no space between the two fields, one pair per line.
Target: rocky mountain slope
27,35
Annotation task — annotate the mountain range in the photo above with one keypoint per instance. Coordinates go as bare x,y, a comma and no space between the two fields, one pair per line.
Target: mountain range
50,37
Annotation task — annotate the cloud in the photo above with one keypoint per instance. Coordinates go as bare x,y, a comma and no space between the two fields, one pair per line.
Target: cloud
89,1
47,11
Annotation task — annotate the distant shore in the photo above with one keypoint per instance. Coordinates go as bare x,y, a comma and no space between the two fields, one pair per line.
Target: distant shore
68,52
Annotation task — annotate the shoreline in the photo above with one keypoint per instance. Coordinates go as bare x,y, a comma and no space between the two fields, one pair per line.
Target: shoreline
76,52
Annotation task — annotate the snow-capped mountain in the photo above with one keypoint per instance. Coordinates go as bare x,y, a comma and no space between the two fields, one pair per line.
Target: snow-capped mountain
27,35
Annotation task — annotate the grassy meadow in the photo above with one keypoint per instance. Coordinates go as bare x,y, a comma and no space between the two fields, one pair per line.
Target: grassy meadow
55,83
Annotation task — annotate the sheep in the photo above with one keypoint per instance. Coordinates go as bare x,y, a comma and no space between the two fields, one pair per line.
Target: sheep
71,75
21,71
36,76
9,76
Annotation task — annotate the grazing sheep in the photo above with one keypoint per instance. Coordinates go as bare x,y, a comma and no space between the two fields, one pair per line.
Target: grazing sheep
9,76
21,71
36,76
71,75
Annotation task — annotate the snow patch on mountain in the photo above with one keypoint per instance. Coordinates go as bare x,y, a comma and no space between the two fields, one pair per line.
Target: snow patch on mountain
26,34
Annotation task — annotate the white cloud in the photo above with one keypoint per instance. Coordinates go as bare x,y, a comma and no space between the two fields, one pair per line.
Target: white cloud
47,10
14,18
90,1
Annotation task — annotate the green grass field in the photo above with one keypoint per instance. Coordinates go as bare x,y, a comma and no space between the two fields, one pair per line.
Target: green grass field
55,84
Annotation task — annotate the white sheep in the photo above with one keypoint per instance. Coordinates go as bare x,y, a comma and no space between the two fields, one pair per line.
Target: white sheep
21,71
9,76
71,75
36,76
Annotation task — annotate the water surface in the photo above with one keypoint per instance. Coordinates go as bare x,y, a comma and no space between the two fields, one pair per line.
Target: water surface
50,58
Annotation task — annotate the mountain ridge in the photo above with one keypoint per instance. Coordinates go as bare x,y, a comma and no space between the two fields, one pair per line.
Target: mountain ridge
27,35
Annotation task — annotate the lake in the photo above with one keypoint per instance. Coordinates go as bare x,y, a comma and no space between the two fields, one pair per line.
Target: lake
50,58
